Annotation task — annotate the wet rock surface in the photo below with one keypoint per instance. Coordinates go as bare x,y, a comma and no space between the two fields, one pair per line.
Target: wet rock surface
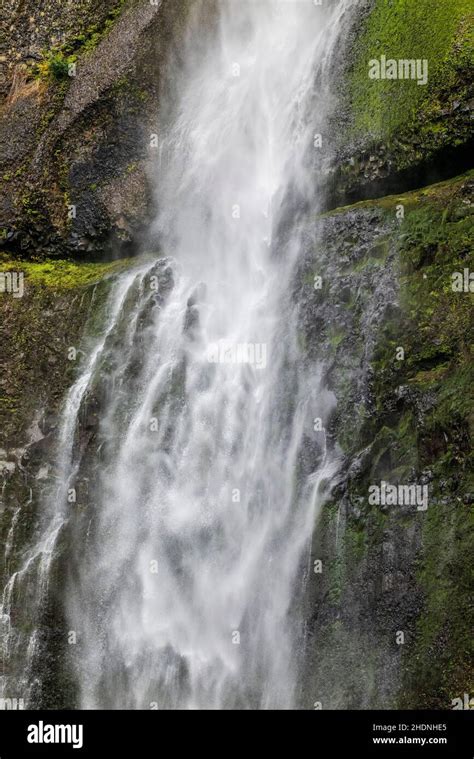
76,150
384,626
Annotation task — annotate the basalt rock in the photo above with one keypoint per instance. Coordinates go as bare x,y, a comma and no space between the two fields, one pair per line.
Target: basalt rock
76,150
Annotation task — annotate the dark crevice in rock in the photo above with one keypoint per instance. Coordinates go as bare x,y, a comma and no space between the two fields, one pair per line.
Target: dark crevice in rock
447,164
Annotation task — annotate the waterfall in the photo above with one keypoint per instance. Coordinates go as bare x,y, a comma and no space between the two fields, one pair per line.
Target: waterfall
196,502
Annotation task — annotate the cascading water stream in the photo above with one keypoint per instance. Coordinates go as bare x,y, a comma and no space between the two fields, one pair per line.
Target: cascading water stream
187,566
30,582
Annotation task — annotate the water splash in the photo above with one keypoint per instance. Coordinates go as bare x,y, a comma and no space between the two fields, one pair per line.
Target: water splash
187,563
203,508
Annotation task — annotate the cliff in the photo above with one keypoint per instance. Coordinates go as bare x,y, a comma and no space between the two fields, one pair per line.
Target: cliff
77,160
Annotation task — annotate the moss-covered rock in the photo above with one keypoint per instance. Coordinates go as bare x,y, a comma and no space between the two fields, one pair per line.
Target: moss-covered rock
45,335
391,570
37,331
392,134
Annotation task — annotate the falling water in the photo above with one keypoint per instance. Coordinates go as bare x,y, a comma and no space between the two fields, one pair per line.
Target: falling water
188,561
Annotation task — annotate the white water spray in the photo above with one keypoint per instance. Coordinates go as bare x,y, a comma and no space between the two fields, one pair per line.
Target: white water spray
187,572
201,524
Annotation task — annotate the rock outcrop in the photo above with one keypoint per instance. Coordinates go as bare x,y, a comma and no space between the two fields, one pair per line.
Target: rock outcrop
81,94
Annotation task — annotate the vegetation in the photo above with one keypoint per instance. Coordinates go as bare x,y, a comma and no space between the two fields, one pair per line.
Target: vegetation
55,65
420,425
440,32
64,274
57,61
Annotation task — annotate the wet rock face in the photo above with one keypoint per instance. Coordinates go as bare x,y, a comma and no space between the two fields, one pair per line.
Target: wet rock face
36,332
47,323
346,290
77,150
27,480
382,613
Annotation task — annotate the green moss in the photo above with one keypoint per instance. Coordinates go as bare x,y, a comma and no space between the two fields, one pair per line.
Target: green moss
63,304
336,336
419,421
55,63
355,544
436,331
443,653
88,40
375,257
439,195
408,29
336,579
65,274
